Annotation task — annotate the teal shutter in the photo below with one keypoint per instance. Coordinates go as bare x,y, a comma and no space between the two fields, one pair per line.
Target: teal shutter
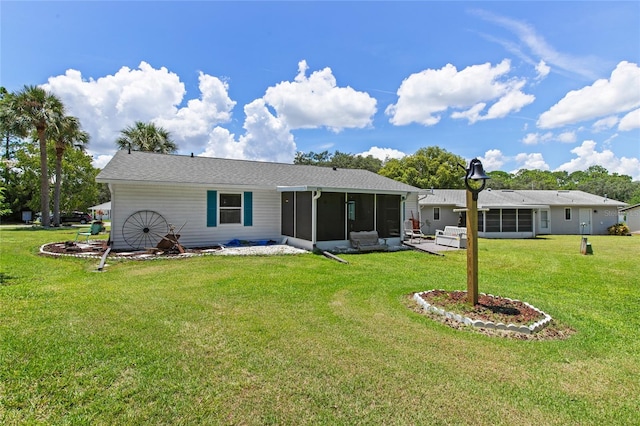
248,209
212,208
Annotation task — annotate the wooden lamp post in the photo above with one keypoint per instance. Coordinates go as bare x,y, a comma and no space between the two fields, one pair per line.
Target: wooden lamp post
474,173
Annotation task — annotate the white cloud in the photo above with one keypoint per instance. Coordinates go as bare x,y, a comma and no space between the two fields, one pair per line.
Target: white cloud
567,137
601,99
532,161
99,161
605,123
587,156
423,96
316,101
109,104
222,144
542,69
630,121
492,160
537,46
190,125
266,138
383,153
536,138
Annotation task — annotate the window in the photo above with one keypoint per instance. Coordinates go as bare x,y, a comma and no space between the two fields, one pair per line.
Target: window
230,208
227,208
436,213
567,213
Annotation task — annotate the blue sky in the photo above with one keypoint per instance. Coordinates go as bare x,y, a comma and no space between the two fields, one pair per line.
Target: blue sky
537,85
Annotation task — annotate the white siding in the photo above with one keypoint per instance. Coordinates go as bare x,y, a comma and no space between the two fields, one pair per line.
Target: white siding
601,219
411,207
187,205
633,219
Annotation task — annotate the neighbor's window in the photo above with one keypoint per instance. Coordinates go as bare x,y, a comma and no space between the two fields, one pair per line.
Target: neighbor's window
436,213
567,213
230,208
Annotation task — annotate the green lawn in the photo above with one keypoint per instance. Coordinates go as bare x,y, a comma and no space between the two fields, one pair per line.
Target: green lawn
307,340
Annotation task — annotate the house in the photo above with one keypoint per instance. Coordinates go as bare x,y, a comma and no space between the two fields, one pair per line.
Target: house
101,211
632,217
213,201
507,213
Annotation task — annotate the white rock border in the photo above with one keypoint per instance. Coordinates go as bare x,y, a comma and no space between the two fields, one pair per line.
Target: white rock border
533,328
275,249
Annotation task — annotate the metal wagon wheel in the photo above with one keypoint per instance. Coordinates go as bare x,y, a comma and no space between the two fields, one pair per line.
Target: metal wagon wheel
144,228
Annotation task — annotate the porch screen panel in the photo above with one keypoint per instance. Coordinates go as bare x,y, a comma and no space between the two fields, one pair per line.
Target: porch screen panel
331,217
287,217
388,215
509,220
462,221
361,212
492,221
525,220
303,215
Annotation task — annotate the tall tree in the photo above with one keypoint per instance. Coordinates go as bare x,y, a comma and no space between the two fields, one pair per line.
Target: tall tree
78,191
35,108
431,167
66,134
146,137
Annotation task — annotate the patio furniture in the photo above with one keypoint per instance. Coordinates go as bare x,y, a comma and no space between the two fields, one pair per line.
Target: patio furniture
452,236
367,241
411,232
96,228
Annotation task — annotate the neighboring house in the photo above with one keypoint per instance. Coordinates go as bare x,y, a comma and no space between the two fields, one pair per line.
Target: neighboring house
632,217
101,211
213,201
522,213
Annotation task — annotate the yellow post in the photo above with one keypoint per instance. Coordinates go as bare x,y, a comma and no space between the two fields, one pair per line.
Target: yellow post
472,248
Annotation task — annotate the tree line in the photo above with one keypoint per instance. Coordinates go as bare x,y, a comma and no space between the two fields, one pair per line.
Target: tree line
43,156
435,167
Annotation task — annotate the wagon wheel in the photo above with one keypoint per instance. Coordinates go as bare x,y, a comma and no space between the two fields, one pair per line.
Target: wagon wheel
144,229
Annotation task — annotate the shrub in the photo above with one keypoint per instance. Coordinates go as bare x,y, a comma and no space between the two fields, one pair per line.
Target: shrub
619,229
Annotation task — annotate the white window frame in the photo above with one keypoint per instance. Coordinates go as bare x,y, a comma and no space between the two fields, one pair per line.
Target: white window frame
221,208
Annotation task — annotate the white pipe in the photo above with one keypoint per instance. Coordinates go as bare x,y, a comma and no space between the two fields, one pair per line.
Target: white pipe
314,215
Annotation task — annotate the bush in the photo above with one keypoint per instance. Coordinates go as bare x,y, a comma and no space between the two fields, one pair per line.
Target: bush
619,229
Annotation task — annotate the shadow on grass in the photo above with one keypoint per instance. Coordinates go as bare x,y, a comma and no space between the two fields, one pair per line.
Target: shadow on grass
6,279
40,228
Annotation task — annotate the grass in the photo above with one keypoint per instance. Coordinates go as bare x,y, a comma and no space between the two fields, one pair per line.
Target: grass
307,340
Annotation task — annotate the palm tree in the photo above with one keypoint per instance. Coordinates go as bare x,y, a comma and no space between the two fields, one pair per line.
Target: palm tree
35,108
146,137
66,134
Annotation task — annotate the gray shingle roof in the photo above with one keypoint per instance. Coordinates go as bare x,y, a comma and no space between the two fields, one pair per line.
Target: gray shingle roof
179,169
517,198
